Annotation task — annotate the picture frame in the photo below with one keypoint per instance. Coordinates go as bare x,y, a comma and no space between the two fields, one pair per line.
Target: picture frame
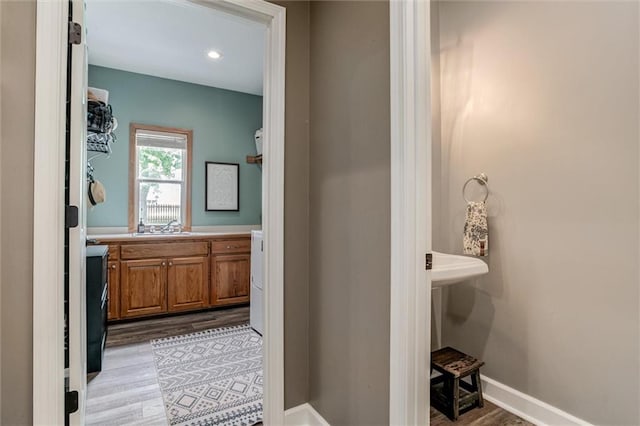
222,187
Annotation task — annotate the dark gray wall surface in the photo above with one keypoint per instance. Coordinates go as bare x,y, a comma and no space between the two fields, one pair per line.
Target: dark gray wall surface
349,212
296,208
17,95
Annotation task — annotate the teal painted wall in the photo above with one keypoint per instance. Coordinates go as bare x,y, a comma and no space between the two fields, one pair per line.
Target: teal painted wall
223,124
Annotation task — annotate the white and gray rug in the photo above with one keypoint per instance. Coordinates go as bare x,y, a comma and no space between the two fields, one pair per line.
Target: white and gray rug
212,377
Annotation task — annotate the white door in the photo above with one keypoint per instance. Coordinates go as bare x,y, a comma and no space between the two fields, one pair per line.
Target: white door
76,154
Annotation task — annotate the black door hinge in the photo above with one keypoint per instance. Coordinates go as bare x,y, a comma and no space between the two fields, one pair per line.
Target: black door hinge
71,401
428,261
75,33
70,216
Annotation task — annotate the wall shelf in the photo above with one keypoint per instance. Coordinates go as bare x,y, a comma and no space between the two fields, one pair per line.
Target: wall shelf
254,159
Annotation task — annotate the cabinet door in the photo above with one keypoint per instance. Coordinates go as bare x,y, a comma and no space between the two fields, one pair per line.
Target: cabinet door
143,287
114,290
230,279
188,281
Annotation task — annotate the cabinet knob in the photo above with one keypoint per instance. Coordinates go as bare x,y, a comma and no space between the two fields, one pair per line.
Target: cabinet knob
113,266
170,263
163,263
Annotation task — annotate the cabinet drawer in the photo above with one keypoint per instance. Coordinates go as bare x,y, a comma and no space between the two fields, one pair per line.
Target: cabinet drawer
114,252
231,246
160,250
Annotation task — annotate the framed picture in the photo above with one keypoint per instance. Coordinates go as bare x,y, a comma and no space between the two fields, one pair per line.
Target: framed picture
222,187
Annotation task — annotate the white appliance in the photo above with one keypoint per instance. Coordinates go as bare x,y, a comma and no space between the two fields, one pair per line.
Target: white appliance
256,307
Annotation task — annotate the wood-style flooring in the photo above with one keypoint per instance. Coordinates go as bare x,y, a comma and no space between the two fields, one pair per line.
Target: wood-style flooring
126,392
489,415
156,328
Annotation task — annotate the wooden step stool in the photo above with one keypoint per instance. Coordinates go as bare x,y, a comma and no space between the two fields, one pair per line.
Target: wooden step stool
447,388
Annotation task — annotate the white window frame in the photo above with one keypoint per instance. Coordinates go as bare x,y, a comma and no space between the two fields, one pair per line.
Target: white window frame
134,180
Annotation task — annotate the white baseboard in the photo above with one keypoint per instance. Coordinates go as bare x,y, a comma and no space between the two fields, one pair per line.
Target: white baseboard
525,406
304,415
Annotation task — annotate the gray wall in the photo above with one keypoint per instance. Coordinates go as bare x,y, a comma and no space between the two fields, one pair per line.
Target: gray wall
17,91
543,97
296,208
350,212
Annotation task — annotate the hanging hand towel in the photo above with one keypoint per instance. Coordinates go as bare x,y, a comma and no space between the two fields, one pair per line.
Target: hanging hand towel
476,230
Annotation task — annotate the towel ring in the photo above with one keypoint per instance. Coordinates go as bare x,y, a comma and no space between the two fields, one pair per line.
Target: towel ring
482,179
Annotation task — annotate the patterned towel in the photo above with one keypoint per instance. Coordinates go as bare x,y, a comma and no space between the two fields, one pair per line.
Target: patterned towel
476,231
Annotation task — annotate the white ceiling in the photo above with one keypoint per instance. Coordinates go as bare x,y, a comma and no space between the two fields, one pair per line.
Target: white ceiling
171,38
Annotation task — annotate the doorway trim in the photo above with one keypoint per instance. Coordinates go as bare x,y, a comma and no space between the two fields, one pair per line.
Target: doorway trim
410,212
48,285
48,236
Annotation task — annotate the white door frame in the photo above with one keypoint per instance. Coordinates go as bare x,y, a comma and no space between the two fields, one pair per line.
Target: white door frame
48,316
48,218
410,211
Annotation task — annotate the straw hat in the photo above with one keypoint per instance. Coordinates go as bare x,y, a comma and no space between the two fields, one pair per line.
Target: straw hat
96,193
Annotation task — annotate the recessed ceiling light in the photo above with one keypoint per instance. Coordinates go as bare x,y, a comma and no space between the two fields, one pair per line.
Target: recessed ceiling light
214,55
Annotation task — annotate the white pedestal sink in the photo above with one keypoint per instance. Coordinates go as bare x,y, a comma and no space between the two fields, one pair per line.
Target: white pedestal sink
451,269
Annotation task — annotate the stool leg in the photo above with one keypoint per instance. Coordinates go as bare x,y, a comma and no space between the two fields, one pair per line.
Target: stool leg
477,384
456,399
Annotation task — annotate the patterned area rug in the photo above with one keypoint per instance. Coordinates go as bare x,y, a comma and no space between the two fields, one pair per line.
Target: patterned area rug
212,377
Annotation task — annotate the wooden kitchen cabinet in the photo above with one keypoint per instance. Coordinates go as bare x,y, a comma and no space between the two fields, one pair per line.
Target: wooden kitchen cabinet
230,279
114,290
143,287
188,279
159,275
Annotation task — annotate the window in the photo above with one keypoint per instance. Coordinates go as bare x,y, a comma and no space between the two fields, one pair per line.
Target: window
159,176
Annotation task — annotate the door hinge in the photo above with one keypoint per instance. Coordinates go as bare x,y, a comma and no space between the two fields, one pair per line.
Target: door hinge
70,216
71,401
428,261
75,33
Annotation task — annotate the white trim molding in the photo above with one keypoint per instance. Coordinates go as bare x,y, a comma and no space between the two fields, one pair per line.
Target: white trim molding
526,406
410,212
303,415
48,196
273,214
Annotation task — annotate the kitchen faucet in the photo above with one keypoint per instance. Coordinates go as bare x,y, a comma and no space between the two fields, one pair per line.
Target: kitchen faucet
167,227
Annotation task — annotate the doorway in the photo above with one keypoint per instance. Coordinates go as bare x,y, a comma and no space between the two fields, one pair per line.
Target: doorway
49,375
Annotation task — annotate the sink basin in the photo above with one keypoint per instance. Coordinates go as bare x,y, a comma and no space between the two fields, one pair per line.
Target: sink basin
160,234
451,269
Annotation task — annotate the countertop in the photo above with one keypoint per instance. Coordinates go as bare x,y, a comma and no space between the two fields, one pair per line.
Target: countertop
157,236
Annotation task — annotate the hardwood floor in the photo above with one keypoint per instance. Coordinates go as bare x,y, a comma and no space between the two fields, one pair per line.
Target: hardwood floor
145,330
126,392
489,415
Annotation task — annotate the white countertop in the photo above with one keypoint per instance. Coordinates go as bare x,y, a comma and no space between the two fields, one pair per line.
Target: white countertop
103,234
149,236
